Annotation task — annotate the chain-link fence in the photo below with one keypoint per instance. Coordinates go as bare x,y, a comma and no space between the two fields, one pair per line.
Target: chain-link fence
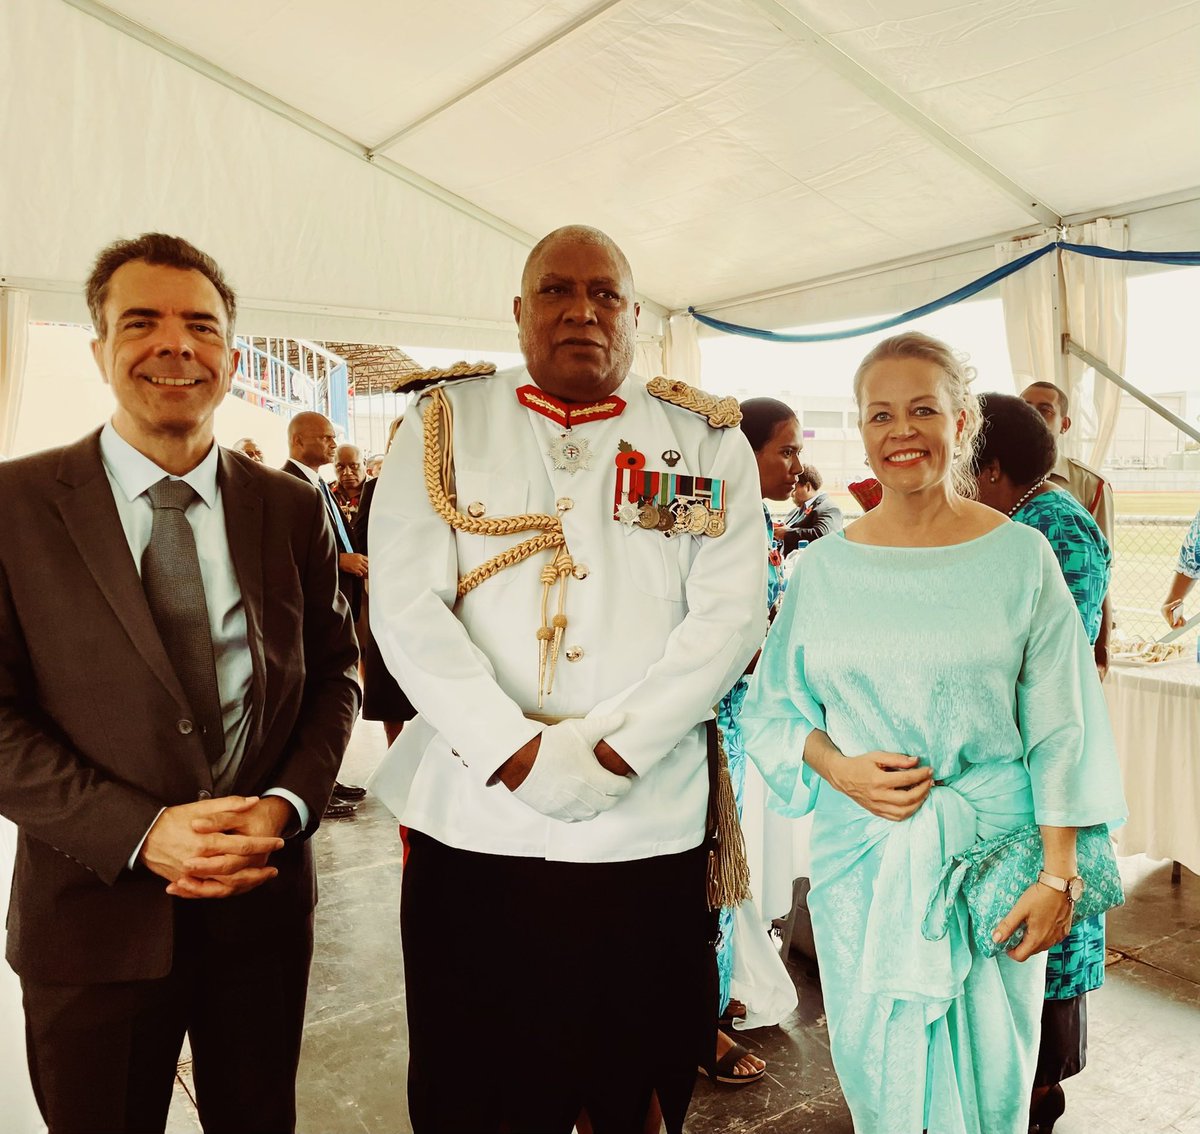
1144,560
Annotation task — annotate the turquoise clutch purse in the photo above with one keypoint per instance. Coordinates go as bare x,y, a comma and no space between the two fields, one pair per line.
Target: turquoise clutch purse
994,873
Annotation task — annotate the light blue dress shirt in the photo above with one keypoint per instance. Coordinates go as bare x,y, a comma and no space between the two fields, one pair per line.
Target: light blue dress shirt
130,474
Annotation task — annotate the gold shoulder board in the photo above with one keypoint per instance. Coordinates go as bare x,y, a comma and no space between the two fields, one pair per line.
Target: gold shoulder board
440,376
722,413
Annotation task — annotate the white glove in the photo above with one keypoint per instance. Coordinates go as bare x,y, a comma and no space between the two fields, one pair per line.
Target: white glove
566,781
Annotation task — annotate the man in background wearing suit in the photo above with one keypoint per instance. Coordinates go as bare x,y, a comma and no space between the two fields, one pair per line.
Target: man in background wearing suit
312,443
177,689
815,515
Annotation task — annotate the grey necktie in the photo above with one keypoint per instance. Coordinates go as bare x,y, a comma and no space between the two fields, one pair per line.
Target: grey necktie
175,591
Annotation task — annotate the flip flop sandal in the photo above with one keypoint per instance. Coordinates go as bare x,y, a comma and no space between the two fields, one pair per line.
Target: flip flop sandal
722,1070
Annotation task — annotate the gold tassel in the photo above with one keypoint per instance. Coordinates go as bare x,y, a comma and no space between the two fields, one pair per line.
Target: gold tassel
728,871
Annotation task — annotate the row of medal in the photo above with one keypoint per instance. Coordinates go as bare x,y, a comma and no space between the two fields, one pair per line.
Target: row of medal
672,503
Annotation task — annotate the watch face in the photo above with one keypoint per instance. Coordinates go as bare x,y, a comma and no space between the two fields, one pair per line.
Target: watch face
1075,889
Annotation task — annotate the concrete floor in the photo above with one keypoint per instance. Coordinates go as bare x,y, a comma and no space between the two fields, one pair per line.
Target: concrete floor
1143,1073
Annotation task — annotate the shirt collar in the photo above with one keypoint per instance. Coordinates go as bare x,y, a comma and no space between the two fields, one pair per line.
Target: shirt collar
313,477
134,472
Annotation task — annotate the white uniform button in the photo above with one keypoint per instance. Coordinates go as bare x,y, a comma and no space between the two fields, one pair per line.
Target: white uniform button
580,571
564,503
185,727
476,509
203,794
574,653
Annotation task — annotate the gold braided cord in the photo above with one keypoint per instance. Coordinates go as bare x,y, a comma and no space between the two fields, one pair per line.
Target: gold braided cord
508,558
438,463
722,413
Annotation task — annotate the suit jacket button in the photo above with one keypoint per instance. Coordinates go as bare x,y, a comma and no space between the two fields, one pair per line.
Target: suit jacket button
203,794
185,727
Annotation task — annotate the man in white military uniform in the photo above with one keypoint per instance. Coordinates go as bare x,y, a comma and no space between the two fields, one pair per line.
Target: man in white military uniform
554,891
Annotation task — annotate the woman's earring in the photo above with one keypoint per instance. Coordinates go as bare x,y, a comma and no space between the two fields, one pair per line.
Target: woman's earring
994,479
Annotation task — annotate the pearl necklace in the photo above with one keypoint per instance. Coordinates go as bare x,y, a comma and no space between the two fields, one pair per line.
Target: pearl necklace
1033,488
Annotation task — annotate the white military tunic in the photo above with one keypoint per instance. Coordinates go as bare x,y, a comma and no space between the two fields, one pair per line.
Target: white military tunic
658,629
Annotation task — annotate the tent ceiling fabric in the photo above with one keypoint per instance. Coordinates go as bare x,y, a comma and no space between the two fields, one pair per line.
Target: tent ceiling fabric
727,153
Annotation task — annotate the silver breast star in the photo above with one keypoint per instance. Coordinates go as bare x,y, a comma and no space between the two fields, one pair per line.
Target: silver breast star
571,453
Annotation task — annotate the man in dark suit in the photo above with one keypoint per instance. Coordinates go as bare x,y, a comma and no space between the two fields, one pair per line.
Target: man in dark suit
177,688
815,515
313,443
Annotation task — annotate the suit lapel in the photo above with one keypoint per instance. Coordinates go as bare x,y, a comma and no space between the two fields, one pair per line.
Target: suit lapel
91,520
243,506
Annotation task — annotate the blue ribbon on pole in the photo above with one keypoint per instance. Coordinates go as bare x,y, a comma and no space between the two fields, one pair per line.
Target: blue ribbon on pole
1176,259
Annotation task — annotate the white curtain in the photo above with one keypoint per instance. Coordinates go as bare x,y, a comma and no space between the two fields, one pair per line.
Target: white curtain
1094,315
1029,297
14,341
1097,305
681,349
648,358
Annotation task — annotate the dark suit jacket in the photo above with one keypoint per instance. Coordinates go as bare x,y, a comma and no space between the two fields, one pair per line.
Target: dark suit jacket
349,585
362,521
90,740
823,517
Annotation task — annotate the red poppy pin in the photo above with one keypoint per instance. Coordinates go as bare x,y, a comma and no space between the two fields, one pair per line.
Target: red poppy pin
628,457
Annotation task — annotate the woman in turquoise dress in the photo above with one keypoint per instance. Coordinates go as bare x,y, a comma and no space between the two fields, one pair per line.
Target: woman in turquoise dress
773,431
935,687
1013,458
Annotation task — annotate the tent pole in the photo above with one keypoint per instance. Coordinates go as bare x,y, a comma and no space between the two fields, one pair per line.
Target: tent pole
1060,322
1101,367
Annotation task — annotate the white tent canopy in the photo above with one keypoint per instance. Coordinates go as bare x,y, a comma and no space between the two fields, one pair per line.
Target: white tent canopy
374,171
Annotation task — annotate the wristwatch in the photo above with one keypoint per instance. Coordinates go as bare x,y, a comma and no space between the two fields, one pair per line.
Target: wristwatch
1072,887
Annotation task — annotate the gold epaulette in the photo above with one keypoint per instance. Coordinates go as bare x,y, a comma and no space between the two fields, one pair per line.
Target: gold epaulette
439,376
722,413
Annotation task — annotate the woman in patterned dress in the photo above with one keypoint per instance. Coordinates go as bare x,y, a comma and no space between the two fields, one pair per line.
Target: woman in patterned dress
773,431
1014,455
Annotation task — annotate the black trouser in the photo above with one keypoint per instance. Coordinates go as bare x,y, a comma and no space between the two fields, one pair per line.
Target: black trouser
102,1056
536,989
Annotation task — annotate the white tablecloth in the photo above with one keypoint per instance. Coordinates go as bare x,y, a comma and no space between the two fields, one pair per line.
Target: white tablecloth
1156,720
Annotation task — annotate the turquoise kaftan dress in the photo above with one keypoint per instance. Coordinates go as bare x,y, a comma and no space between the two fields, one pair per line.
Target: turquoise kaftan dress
974,659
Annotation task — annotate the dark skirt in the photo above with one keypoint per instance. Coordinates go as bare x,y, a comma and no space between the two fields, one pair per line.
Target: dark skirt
1063,1051
383,699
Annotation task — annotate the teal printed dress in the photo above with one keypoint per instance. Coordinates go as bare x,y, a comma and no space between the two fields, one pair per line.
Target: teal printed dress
1075,964
1189,553
728,711
973,658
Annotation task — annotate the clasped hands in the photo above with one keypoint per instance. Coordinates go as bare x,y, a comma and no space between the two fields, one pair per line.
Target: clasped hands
568,771
216,848
893,786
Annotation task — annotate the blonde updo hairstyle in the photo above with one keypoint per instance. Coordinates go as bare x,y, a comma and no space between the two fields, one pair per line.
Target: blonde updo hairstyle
958,378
